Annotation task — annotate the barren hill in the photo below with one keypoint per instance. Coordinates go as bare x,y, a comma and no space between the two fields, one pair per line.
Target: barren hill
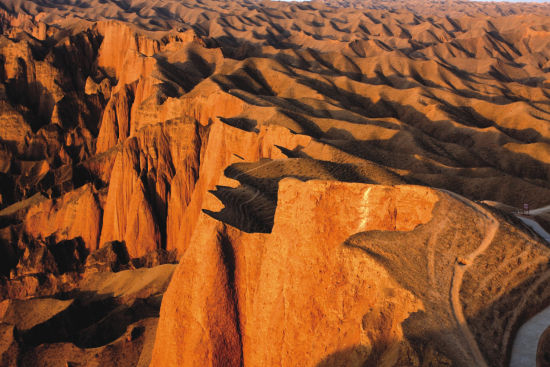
243,138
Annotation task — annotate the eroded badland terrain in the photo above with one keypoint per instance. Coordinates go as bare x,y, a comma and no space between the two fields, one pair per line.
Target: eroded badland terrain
254,183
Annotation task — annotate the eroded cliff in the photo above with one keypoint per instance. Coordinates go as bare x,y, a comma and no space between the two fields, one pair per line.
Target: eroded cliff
285,154
390,275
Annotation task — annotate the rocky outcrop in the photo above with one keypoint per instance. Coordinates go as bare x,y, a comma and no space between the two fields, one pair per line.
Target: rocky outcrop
128,214
334,292
115,124
140,186
259,282
76,214
113,256
124,63
144,80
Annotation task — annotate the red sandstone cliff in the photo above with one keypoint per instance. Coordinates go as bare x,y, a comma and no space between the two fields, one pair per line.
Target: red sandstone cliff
270,146
368,279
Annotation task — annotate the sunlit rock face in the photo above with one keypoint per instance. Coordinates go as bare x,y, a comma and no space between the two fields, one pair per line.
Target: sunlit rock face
374,278
294,158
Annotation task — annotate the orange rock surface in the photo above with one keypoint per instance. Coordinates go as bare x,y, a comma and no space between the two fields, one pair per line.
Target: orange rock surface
314,291
283,298
75,214
295,157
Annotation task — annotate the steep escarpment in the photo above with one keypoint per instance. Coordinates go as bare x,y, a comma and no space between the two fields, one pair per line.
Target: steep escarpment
391,275
295,157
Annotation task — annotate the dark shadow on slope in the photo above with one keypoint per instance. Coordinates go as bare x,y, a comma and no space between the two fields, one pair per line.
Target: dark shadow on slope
245,209
251,206
241,123
94,319
438,131
436,147
186,74
348,356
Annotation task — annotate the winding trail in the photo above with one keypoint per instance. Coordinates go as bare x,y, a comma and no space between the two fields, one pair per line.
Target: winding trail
461,265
